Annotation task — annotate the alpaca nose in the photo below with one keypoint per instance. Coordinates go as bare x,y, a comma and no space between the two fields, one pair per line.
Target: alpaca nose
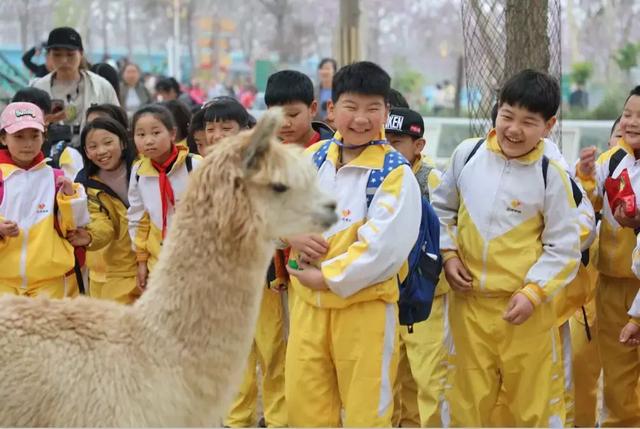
331,206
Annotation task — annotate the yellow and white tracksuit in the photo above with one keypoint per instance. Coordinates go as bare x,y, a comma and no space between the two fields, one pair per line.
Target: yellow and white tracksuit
617,288
343,342
71,162
586,358
38,261
566,302
145,204
512,239
110,251
268,352
422,368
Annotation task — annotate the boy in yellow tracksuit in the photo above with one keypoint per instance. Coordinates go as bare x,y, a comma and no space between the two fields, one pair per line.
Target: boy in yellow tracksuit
38,209
617,283
343,341
422,369
510,241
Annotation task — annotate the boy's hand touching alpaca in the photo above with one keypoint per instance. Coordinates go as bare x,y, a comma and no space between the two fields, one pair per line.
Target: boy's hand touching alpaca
65,185
9,229
518,310
630,335
141,277
310,247
309,276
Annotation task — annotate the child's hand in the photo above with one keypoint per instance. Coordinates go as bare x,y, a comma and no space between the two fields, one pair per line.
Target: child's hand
624,220
457,275
311,247
141,277
630,335
587,164
518,310
79,237
9,229
309,276
65,185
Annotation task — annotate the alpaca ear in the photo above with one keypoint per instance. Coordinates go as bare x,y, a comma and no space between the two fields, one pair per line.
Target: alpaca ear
260,139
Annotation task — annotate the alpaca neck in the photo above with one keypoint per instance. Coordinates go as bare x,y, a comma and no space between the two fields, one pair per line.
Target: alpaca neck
205,268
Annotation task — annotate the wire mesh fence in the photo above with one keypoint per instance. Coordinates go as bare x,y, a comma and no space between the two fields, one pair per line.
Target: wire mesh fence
502,37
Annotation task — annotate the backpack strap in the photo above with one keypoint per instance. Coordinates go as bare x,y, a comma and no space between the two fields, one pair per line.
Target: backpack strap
545,169
188,162
392,160
1,187
321,154
474,150
615,160
56,174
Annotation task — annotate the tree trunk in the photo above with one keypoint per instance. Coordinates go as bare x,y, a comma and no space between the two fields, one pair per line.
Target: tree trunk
23,17
190,24
105,37
127,26
527,36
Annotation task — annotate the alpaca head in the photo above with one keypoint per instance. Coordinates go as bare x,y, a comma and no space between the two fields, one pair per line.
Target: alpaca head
267,181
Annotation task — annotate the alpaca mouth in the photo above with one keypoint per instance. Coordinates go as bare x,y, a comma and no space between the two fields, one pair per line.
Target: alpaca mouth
328,219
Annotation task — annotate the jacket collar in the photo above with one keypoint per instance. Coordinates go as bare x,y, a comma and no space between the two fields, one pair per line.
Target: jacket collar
528,158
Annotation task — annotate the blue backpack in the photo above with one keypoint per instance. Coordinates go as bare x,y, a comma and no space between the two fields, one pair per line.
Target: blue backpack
425,263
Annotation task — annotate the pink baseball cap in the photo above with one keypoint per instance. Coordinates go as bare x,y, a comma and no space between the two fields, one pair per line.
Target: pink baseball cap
20,116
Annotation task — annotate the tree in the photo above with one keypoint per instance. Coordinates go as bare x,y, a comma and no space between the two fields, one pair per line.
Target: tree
526,24
581,72
627,58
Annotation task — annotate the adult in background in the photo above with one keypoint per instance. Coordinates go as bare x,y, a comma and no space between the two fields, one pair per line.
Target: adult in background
133,93
108,72
71,86
169,89
326,69
38,70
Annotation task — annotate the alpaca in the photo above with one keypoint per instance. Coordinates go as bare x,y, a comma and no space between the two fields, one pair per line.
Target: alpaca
174,357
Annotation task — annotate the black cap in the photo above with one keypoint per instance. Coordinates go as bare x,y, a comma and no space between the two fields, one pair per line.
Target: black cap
64,37
405,121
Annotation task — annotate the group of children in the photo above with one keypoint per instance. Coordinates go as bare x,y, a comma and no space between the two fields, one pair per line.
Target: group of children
516,238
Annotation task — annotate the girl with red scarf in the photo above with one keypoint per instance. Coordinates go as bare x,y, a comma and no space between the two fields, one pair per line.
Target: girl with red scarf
39,209
157,182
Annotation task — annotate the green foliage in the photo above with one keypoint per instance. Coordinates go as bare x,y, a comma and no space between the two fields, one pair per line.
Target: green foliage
581,72
405,79
627,56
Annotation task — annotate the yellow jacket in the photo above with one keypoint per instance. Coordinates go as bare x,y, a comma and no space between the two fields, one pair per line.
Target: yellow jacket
145,206
433,180
367,247
511,237
38,253
616,243
110,242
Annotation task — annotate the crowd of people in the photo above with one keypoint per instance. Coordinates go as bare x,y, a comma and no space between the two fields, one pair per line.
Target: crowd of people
539,292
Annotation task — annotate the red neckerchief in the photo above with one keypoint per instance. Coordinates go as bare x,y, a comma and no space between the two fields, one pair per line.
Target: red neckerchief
5,158
166,191
315,138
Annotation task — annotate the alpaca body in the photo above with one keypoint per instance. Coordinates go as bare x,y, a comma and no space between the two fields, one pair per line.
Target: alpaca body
175,356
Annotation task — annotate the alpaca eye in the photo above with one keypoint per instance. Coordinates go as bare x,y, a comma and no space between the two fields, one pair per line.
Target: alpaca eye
279,188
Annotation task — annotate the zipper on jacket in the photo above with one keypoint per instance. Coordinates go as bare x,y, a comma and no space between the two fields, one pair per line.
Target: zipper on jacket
485,251
23,259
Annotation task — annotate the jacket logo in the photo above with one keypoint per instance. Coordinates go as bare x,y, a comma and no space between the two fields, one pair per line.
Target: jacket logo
345,215
42,208
515,206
